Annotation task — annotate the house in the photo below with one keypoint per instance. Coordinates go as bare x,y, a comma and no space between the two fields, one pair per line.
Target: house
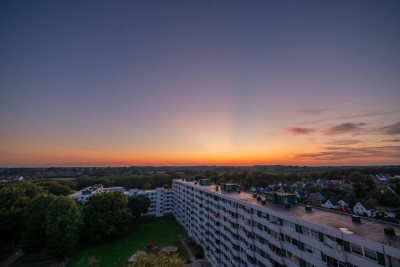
344,202
285,189
345,187
300,193
321,182
271,187
390,188
363,207
336,182
261,190
316,199
331,204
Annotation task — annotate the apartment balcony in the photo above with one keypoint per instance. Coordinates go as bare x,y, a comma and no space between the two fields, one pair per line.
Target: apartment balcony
276,241
258,244
334,250
265,261
277,258
274,226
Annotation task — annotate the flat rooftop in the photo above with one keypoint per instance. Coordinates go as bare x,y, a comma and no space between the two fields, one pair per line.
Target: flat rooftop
368,229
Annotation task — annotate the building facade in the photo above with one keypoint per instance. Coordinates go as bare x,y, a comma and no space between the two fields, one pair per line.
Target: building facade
243,229
161,199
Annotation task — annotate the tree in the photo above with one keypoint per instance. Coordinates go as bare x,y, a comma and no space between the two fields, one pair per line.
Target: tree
167,186
161,259
352,201
106,215
147,186
63,223
53,187
34,215
138,205
355,177
220,181
13,199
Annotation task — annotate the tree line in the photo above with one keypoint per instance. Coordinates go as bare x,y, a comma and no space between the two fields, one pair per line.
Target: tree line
34,219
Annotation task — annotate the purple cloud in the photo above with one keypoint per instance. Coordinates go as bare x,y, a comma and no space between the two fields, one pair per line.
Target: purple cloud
299,131
392,129
344,128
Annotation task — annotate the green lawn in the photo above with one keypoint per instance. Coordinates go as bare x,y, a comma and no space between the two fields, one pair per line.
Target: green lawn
161,231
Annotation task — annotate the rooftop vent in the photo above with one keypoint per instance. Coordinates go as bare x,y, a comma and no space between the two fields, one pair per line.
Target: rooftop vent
258,198
255,195
355,219
308,208
389,230
264,202
287,205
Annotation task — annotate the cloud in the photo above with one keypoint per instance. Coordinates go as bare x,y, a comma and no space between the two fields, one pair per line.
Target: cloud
306,111
299,131
344,128
348,142
240,145
392,140
339,153
345,117
392,129
355,101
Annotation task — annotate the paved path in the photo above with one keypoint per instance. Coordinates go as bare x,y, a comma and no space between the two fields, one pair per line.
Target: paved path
12,258
182,238
195,262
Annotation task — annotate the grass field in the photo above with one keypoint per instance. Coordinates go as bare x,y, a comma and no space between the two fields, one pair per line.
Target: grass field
161,231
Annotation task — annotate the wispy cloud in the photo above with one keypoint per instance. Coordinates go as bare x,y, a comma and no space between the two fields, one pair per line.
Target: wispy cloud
392,129
340,153
355,101
299,131
306,111
344,128
392,140
345,117
347,142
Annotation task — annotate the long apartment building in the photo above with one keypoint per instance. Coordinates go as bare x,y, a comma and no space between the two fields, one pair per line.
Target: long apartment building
243,229
161,199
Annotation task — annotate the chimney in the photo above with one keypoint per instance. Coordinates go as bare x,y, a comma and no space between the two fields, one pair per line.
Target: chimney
389,230
308,208
355,219
258,198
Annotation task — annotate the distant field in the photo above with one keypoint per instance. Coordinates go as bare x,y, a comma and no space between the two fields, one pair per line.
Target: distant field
161,231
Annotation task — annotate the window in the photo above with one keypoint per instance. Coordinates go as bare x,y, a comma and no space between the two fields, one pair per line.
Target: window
291,240
292,257
356,249
364,252
370,254
289,224
310,232
312,250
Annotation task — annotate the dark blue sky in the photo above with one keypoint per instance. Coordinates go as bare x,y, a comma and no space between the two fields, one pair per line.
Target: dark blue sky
135,82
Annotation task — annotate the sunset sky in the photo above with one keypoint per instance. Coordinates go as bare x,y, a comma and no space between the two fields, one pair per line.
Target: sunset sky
120,83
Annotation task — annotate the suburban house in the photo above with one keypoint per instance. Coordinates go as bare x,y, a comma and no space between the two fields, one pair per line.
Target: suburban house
300,193
364,207
388,187
344,202
316,198
331,204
